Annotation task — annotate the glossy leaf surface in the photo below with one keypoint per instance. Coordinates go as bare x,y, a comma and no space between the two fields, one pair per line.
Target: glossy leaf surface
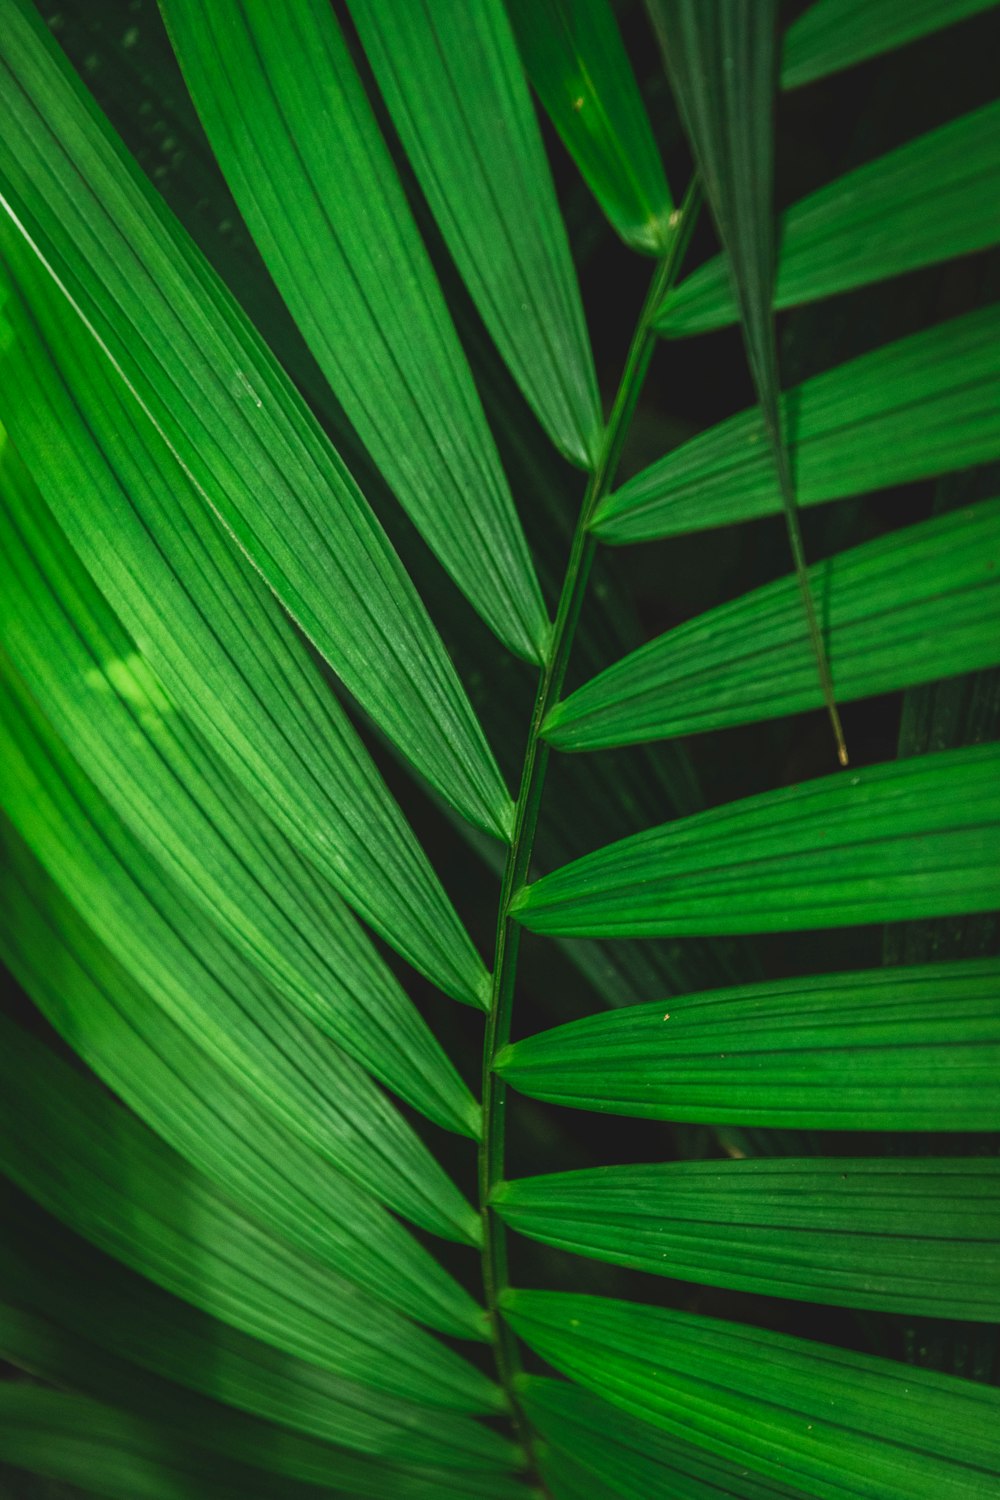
198,1109
834,1422
98,1169
478,155
929,200
123,727
917,604
894,842
274,89
835,34
925,405
574,56
916,1236
887,1049
205,984
191,362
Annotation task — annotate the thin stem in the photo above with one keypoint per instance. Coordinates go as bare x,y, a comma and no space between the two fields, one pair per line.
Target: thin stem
527,806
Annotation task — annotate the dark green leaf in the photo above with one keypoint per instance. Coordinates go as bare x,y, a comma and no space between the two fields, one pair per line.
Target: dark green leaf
189,360
915,605
452,79
930,199
906,1236
633,1458
922,406
197,1108
835,34
274,88
113,712
834,1422
573,52
133,1344
183,961
910,1049
98,1169
909,839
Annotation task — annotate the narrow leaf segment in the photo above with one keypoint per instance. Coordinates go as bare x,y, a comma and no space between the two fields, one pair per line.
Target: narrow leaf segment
913,838
835,34
901,1049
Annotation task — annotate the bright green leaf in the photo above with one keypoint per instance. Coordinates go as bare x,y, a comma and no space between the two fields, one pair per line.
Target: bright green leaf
924,202
452,79
574,56
834,1422
905,1236
917,604
913,838
922,406
274,87
190,361
887,1049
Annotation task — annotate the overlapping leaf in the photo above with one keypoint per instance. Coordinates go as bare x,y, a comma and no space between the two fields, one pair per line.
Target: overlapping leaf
835,34
480,162
893,842
193,365
927,201
916,1236
917,604
183,962
112,710
909,1049
830,1421
275,90
132,1343
922,406
197,1108
98,1169
574,56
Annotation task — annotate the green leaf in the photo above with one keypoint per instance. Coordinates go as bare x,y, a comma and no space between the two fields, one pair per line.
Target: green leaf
834,1422
835,34
453,83
905,1236
138,1346
112,710
106,1176
197,1108
888,843
574,56
632,1458
189,360
273,88
917,604
922,406
204,984
908,1049
929,200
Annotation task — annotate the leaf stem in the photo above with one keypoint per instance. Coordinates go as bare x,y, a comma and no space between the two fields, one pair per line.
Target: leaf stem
528,804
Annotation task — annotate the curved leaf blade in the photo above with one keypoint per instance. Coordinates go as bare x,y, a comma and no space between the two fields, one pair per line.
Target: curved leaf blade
905,1236
576,60
106,1176
928,201
909,839
836,34
922,406
830,1420
478,155
205,984
918,604
246,440
273,89
904,1049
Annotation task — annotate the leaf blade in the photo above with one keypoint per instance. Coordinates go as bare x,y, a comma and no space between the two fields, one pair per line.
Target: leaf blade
836,34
